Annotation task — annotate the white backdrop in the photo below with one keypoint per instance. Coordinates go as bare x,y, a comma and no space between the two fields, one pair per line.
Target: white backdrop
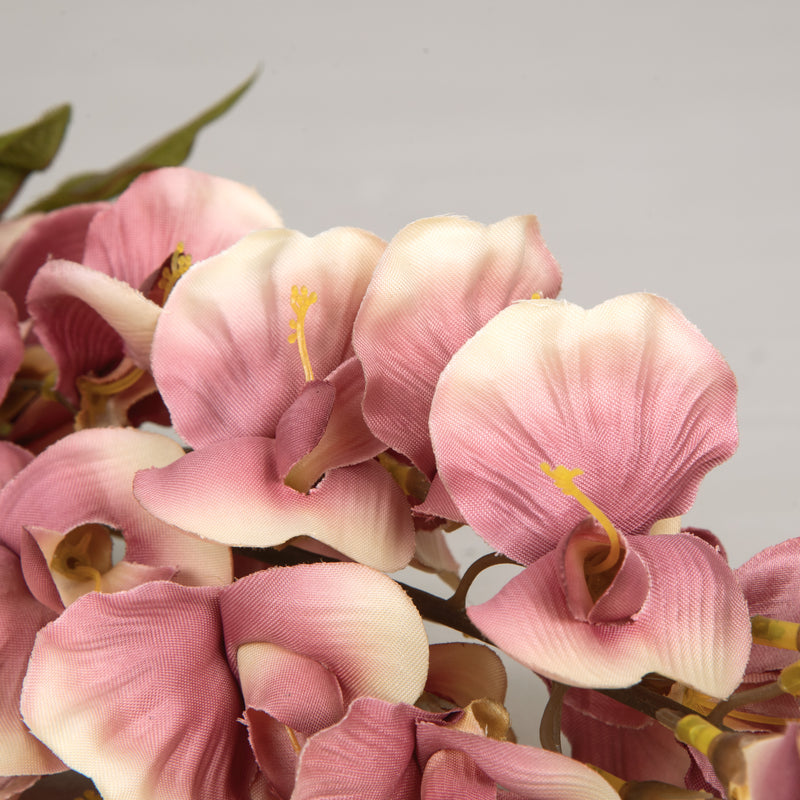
657,142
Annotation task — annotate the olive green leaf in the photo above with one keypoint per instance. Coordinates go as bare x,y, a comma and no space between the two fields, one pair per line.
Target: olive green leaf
29,149
169,151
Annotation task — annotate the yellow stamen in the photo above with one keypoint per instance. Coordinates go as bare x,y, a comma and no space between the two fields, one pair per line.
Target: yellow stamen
179,262
536,296
563,479
293,739
301,301
775,633
789,679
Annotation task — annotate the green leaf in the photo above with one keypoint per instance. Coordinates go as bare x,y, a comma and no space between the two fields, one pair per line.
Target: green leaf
169,151
29,149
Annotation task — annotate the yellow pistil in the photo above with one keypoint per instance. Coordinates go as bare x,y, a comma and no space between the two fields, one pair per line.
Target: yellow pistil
179,262
293,739
696,732
301,301
563,479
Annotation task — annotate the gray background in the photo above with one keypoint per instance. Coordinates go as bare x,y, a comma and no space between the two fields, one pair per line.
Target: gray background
657,142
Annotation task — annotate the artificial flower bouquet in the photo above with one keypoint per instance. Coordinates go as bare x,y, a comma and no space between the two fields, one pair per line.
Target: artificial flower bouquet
211,615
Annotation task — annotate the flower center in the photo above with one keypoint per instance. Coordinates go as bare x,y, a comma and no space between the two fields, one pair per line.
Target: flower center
84,554
301,301
563,478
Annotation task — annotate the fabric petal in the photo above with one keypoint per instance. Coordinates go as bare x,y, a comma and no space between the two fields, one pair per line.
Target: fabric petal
87,319
221,355
450,773
771,584
629,392
439,281
12,459
301,427
533,773
133,237
356,622
231,493
87,477
462,672
332,764
294,689
61,234
347,439
112,687
693,627
21,616
626,591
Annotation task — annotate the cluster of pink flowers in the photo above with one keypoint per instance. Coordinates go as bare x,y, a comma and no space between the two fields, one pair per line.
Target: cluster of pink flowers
352,402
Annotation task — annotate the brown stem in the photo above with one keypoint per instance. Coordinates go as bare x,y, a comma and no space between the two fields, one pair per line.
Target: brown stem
743,698
459,598
550,726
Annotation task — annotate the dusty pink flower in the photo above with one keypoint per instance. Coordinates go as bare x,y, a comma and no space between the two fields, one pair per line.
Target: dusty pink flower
439,281
550,412
253,357
89,311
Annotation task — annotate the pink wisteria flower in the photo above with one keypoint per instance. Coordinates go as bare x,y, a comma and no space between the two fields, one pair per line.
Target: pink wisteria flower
134,690
253,357
93,310
551,412
439,281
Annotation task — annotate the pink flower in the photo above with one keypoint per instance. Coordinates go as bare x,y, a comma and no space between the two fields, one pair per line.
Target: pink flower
90,314
439,281
550,412
134,690
253,357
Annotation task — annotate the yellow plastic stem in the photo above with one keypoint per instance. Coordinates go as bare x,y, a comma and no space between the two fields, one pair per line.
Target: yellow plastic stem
615,782
696,732
789,679
113,387
775,633
564,480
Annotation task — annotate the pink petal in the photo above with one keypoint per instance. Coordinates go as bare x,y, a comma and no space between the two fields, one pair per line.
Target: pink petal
534,774
771,584
438,502
231,492
302,425
274,750
439,281
622,741
21,616
693,626
119,687
333,763
86,320
347,440
462,672
221,355
773,765
292,688
133,237
629,392
12,459
59,234
87,477
624,596
354,621
450,773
